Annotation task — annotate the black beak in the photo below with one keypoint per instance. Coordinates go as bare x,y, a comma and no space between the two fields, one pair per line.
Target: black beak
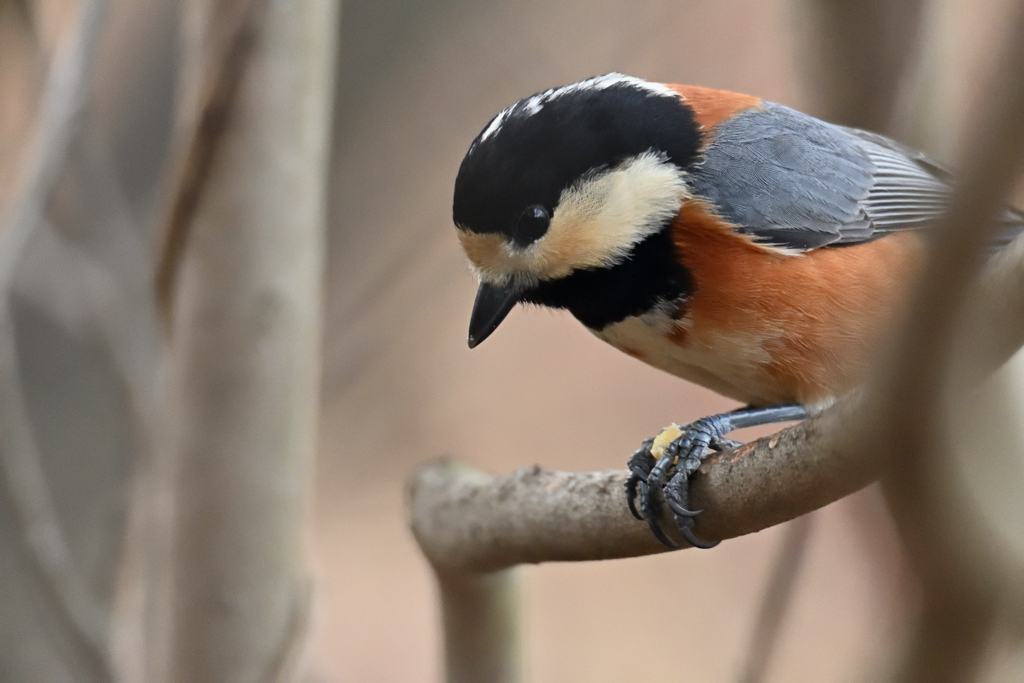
490,308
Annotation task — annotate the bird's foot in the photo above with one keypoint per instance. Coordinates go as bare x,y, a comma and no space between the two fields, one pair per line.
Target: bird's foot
661,469
676,454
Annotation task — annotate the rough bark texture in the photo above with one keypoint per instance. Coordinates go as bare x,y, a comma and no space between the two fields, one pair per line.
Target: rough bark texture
246,357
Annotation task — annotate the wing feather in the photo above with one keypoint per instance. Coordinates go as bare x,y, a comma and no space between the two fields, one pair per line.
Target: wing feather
905,194
793,182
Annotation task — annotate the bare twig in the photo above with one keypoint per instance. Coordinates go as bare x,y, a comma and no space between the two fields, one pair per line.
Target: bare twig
989,335
776,600
467,521
924,111
59,117
20,467
481,616
473,527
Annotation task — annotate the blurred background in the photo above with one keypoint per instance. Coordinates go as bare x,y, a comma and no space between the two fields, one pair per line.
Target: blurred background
416,81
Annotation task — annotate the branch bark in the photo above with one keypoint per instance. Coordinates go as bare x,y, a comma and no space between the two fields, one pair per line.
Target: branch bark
481,616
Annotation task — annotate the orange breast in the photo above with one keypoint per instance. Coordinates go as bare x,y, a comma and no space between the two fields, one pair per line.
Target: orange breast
807,323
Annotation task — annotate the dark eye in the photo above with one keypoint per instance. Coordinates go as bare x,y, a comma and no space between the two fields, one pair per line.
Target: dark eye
531,226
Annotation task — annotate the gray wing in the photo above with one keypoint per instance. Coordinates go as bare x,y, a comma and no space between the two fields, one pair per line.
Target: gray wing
1012,219
791,181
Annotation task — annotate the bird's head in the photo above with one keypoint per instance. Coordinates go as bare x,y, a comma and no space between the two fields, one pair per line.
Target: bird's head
571,180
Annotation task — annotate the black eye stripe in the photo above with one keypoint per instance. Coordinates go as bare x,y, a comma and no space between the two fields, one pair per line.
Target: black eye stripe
531,226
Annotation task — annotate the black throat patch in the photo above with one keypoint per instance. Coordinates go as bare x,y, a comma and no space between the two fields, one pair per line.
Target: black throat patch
599,297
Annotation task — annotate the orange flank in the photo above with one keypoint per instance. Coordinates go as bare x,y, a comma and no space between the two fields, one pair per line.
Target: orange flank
711,107
808,321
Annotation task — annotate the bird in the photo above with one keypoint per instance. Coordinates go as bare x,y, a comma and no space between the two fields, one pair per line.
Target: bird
733,242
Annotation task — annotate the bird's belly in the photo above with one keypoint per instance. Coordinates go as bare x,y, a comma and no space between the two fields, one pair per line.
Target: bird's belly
736,365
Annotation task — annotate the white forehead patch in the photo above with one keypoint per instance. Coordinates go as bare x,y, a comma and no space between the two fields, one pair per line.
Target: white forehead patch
532,105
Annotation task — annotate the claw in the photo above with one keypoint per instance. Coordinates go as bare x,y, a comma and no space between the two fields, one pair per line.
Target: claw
677,495
651,515
692,539
681,509
652,485
631,484
655,526
681,458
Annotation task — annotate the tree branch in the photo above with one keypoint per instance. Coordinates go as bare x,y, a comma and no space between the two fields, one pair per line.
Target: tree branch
777,596
481,615
467,521
856,55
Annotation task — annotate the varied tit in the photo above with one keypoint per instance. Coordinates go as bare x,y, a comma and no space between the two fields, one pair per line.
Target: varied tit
733,242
